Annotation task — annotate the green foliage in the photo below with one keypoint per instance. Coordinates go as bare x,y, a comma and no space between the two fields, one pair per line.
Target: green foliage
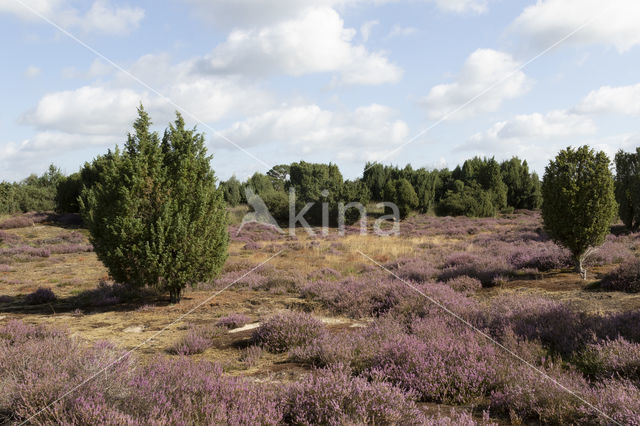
523,188
35,193
406,197
232,191
67,193
627,188
466,200
579,203
155,215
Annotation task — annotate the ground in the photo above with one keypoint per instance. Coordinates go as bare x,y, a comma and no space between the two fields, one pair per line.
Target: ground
135,324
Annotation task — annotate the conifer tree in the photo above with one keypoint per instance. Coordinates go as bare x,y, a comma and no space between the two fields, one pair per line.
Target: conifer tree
155,215
578,201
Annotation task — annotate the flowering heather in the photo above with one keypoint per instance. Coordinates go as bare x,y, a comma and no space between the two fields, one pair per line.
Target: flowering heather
252,245
616,249
464,284
5,268
610,359
251,355
8,238
414,269
27,251
16,222
333,397
485,267
233,321
358,296
252,232
449,368
196,340
624,278
553,323
287,330
40,296
181,391
69,248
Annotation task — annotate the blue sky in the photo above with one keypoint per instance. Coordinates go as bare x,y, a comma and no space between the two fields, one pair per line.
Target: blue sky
345,81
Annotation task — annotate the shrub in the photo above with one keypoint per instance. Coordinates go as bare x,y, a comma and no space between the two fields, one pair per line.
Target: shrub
624,278
444,368
40,296
610,359
155,215
333,397
251,355
233,321
182,391
485,267
464,284
524,394
196,340
16,222
287,330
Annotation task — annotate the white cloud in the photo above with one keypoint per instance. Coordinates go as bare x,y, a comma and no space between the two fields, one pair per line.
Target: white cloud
87,110
315,42
614,22
400,31
32,71
462,6
479,80
621,100
359,134
365,29
101,17
558,123
257,13
535,137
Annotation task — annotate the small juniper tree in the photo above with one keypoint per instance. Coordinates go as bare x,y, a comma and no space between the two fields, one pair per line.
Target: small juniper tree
154,213
578,201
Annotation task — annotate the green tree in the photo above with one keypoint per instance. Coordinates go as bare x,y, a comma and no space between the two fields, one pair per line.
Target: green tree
232,191
406,197
627,188
155,215
578,201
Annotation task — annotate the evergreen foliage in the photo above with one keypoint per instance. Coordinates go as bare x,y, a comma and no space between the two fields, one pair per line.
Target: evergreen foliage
579,202
155,215
627,188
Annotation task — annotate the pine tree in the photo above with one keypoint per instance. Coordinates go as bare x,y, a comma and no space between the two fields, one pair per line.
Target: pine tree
154,213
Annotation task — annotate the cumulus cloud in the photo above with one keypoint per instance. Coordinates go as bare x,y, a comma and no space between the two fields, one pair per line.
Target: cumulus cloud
535,137
315,42
614,22
480,83
621,100
101,17
361,134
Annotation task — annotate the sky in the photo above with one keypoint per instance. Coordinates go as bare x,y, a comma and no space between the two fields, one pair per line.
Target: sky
425,82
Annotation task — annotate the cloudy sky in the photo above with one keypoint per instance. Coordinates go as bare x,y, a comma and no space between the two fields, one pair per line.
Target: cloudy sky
426,82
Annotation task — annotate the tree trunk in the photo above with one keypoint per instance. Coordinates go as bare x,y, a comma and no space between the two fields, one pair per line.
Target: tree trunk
175,295
580,267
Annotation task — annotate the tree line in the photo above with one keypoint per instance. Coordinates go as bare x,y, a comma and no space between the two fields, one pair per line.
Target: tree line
481,187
